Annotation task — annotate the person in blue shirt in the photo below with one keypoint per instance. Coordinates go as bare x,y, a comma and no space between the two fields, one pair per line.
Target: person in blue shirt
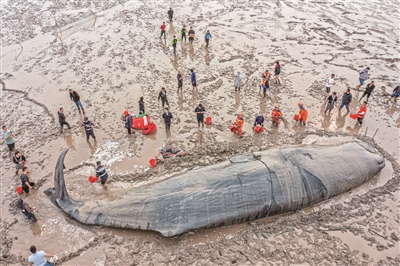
193,79
208,37
259,121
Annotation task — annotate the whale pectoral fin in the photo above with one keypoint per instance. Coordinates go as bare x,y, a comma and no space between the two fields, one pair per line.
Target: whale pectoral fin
244,158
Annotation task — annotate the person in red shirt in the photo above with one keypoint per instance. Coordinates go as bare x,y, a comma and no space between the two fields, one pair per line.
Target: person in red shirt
276,115
163,27
361,113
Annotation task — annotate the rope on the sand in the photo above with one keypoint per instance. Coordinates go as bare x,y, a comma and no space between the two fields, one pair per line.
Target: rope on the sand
22,48
270,181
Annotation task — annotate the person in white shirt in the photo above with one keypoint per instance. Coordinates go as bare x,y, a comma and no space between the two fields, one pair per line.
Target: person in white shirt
38,258
329,82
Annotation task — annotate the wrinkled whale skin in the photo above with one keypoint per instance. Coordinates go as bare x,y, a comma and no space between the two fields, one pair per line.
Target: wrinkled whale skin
245,188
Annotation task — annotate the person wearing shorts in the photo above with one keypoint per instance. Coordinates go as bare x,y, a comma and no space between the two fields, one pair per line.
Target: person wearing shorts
101,172
200,114
329,82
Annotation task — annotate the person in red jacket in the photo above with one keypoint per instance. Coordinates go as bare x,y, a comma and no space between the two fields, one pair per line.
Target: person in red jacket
239,124
276,115
303,113
163,27
361,113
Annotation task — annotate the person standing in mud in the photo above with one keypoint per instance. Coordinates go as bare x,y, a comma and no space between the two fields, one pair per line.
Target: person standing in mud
20,161
141,106
170,14
39,258
167,119
277,72
25,183
61,119
395,94
363,76
180,80
276,115
193,79
101,172
303,113
174,42
239,124
329,82
191,35
183,33
128,122
76,98
346,100
330,102
88,126
368,90
199,110
259,121
207,38
361,113
163,27
238,81
163,96
8,137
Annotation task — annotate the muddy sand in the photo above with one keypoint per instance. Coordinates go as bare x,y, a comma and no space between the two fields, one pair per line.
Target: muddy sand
111,54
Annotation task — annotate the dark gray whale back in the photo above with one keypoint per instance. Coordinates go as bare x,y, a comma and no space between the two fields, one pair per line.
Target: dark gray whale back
245,188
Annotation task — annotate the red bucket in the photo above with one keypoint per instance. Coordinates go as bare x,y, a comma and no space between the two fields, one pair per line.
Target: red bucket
296,117
92,179
354,116
208,120
19,190
233,128
153,162
258,129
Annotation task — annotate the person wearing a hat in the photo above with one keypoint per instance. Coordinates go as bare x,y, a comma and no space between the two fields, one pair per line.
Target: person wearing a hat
101,172
303,113
276,115
259,121
200,114
128,122
88,125
239,124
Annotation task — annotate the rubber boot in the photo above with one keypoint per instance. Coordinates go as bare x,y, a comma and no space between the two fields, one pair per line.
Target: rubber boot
83,111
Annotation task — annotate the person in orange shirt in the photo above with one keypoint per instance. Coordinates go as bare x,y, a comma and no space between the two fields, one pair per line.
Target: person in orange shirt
303,113
265,82
239,124
361,113
276,115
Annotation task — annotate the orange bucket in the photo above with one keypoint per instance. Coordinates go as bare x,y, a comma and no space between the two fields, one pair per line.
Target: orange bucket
296,117
258,129
153,162
233,128
19,190
92,179
208,120
354,116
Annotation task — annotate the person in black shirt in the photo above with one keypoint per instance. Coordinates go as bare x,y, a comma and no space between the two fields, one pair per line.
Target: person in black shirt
101,172
183,33
26,185
163,96
77,100
19,160
180,80
170,14
128,123
191,35
61,119
141,106
330,102
200,114
368,90
167,119
88,125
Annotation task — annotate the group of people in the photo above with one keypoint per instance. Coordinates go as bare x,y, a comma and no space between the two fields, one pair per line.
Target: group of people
183,33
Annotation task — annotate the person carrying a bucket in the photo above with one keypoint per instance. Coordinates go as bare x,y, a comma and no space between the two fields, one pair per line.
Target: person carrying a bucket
361,113
303,113
101,172
200,114
25,183
276,115
259,122
238,124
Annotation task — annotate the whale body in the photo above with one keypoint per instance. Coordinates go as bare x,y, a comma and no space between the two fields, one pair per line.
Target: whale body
245,188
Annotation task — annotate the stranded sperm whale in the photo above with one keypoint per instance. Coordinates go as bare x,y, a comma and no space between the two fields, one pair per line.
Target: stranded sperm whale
246,187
